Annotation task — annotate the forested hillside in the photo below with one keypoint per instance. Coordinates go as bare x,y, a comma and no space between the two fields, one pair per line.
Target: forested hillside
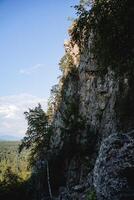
14,170
10,158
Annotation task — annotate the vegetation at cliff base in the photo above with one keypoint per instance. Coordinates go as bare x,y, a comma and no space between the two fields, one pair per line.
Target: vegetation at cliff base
14,171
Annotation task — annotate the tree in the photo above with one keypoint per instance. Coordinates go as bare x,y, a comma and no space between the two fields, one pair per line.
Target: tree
54,101
66,63
86,2
108,26
11,187
37,140
37,134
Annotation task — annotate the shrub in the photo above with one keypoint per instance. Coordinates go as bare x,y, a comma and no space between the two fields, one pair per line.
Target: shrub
109,24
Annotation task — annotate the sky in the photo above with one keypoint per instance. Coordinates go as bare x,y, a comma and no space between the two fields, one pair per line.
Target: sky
32,34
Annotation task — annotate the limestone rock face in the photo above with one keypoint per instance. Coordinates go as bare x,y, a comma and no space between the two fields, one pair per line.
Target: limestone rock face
84,151
73,50
98,97
91,154
114,168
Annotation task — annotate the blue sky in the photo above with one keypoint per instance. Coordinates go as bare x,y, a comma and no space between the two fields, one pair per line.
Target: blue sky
31,45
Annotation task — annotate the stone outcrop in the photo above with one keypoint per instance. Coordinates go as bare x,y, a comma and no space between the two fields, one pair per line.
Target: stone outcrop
114,168
91,156
92,147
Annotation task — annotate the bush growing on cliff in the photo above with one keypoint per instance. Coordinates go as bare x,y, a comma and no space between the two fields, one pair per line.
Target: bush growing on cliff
74,123
54,101
66,63
109,26
91,195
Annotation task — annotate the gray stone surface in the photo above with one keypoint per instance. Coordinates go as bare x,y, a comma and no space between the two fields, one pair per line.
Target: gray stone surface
98,97
114,168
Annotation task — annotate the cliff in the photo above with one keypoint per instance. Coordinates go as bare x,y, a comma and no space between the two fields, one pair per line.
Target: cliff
92,146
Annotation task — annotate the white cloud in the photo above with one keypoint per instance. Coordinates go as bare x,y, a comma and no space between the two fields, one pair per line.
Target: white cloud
8,111
30,70
12,120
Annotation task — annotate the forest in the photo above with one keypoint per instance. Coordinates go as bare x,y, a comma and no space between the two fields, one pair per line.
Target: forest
14,170
22,164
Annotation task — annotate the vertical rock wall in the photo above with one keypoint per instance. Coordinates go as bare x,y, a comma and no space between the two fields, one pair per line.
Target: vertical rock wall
98,153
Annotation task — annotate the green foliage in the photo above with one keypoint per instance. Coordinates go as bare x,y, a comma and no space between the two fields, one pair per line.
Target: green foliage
113,34
85,2
71,118
73,124
66,63
9,158
56,96
37,134
54,101
80,31
91,195
37,140
10,179
14,171
109,23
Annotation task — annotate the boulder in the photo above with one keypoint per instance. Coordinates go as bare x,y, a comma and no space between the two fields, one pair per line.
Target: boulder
114,168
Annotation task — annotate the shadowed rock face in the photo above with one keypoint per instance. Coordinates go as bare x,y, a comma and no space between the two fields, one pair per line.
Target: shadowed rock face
114,168
90,153
106,105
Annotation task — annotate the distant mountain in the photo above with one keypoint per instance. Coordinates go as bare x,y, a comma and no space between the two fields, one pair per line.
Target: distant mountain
9,138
